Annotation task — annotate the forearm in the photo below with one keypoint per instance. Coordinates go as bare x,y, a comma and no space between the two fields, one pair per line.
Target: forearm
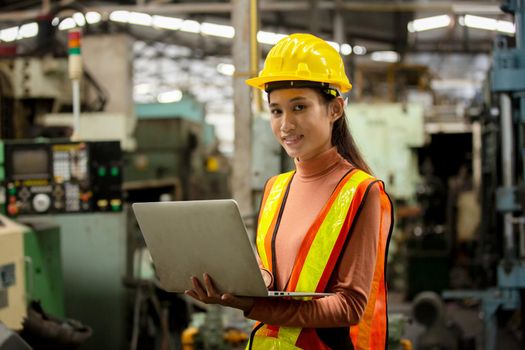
339,310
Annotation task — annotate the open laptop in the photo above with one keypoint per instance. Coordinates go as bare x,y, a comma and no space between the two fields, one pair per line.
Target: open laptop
189,238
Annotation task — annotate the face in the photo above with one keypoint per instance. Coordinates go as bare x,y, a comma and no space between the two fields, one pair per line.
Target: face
302,121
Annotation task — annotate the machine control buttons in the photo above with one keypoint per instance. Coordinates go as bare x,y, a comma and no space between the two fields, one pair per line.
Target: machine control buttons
24,194
114,171
116,204
12,209
41,202
11,189
102,203
102,171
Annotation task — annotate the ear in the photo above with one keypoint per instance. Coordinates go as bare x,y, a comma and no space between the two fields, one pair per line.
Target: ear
337,107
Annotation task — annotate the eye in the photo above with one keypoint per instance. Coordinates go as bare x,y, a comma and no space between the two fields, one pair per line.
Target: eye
298,108
275,112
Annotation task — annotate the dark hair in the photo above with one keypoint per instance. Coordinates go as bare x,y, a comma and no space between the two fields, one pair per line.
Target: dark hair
343,140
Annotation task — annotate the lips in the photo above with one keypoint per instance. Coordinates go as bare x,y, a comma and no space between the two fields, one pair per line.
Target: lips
291,140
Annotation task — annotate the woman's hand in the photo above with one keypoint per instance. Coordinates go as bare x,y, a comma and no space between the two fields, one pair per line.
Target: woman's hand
208,294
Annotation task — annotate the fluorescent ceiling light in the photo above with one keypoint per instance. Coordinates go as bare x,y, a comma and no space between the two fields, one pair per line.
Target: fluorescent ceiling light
93,17
79,19
346,49
170,96
226,69
190,26
429,23
9,34
28,30
67,23
55,21
219,30
488,24
359,50
385,56
142,89
141,19
269,38
119,16
506,27
171,23
480,22
334,45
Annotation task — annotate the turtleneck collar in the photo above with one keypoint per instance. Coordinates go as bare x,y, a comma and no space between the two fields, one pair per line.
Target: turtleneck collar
318,166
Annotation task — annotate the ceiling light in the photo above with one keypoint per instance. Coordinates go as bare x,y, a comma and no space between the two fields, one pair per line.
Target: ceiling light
334,45
171,23
226,69
9,34
385,56
429,23
142,89
506,27
67,23
170,96
269,38
488,24
190,26
79,18
93,17
119,16
141,19
55,21
28,30
359,50
480,22
346,49
217,30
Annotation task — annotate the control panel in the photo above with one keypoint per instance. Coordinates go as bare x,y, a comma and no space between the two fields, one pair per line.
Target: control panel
62,177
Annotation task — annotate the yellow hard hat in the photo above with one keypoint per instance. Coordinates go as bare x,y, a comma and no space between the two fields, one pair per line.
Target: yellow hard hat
302,58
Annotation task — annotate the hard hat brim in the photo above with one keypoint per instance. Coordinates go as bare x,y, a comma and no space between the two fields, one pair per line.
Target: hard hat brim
259,82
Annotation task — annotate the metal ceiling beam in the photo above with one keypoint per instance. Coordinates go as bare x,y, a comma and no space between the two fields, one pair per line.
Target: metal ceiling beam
281,6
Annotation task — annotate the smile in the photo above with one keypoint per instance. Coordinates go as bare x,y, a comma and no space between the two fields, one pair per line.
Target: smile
292,140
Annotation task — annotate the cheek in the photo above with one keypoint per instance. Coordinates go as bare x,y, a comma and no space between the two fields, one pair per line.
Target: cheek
276,129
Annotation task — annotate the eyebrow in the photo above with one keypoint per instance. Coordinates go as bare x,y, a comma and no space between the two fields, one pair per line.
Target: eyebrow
295,99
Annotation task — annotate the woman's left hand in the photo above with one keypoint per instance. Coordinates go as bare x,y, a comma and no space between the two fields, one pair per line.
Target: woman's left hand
208,294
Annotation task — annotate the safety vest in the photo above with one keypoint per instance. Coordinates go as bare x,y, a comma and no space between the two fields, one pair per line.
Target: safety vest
316,260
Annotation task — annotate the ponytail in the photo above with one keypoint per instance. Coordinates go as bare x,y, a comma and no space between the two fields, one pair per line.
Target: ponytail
342,138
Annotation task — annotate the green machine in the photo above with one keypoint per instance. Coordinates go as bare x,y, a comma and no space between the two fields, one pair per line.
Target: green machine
173,144
43,271
44,277
69,195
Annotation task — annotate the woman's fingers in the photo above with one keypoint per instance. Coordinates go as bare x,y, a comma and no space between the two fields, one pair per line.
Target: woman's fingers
210,288
209,294
198,289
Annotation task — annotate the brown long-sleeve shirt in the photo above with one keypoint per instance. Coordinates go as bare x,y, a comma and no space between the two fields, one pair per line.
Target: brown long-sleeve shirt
310,189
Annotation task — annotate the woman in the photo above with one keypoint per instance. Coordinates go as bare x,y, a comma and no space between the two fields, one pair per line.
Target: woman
323,227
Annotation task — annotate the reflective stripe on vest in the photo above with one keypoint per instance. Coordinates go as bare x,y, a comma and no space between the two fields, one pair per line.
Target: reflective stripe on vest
319,253
271,204
370,333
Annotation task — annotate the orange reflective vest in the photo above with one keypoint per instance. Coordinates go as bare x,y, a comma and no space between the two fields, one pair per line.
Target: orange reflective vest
317,257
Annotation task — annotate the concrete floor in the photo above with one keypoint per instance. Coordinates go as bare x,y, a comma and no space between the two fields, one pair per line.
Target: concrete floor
468,318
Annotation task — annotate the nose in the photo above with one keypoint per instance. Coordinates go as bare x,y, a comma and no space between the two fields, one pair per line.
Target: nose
287,123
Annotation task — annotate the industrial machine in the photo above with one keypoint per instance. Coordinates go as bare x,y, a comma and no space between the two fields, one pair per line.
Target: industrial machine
503,188
74,188
174,143
12,272
62,177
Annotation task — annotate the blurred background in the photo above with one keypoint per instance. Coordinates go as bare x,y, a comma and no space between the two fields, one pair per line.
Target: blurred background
107,103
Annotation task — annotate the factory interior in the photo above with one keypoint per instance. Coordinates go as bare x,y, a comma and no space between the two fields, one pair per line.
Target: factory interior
108,103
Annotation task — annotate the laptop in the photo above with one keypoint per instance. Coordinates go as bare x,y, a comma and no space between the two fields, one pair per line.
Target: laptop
189,238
